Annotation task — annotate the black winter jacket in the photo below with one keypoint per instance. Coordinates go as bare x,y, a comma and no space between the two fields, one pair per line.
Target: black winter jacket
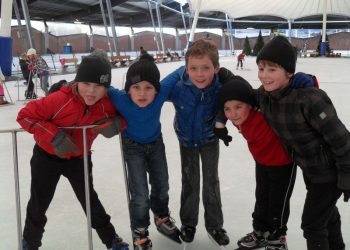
308,125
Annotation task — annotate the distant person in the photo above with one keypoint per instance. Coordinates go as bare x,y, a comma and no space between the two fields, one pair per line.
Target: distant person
240,59
38,66
144,55
143,51
27,75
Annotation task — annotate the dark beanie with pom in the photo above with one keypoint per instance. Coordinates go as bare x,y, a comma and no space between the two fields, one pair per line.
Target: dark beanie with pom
279,51
236,89
143,70
94,69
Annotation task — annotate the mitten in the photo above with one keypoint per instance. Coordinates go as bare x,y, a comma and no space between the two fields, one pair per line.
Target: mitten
346,194
64,144
109,127
222,133
225,75
301,80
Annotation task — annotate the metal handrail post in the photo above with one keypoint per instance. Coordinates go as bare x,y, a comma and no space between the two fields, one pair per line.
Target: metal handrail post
87,190
17,191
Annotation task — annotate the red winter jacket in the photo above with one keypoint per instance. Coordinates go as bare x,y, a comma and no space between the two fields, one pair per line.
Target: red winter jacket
64,108
263,143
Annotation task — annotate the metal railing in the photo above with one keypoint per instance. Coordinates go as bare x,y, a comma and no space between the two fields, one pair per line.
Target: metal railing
16,179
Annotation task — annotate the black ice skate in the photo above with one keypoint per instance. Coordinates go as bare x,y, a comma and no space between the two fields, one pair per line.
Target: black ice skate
166,226
141,241
187,233
25,246
253,240
119,244
219,237
277,244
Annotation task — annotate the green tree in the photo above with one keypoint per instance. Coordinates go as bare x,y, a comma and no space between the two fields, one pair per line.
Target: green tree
246,47
259,44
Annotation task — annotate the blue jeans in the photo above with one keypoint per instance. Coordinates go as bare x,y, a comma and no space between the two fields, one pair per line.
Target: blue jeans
142,159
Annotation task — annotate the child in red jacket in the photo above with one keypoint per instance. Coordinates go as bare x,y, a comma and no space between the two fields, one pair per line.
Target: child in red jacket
274,170
59,151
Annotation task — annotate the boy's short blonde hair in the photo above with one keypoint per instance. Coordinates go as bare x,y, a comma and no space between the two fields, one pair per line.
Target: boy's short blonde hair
202,48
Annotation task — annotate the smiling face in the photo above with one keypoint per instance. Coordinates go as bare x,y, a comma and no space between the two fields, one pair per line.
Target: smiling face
272,76
91,92
201,70
142,93
236,111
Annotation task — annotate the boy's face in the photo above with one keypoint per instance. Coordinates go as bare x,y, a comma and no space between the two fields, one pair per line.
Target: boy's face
32,57
142,93
201,70
273,77
236,111
91,92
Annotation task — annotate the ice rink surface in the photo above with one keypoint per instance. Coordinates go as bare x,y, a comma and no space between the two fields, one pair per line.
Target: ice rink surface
66,227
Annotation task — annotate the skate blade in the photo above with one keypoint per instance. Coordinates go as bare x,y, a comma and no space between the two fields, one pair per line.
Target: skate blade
185,245
245,248
216,244
174,237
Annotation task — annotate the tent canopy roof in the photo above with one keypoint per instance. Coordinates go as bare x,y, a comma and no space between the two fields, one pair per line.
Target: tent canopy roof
286,9
246,13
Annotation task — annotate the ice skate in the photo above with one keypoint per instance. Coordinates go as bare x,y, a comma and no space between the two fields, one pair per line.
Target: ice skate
167,227
219,237
25,246
253,240
277,244
141,241
119,244
187,233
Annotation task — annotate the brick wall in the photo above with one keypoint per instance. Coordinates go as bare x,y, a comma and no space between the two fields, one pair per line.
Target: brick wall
81,43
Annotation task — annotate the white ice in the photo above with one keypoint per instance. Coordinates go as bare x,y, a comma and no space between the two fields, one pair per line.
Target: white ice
66,227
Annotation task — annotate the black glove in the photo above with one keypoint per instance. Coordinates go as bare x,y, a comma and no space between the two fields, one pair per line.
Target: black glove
109,127
64,144
346,194
225,75
222,134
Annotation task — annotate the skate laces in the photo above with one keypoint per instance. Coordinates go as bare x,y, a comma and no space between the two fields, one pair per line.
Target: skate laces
167,222
141,239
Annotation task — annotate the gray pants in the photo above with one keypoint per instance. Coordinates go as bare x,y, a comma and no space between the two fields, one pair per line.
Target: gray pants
209,154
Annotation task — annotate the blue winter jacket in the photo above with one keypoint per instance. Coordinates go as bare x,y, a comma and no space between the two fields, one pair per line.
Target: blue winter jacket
195,110
143,124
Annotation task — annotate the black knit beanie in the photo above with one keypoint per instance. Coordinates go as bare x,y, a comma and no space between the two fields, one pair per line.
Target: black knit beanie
236,89
94,69
279,51
143,70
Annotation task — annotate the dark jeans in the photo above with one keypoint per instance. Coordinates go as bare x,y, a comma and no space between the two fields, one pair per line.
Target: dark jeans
274,187
44,83
30,87
142,159
209,154
46,171
321,218
240,62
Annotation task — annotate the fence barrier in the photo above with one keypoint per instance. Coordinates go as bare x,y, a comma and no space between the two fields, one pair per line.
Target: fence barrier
16,179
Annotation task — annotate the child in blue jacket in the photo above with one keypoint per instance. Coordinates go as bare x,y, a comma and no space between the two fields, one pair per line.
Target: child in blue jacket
194,97
140,104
